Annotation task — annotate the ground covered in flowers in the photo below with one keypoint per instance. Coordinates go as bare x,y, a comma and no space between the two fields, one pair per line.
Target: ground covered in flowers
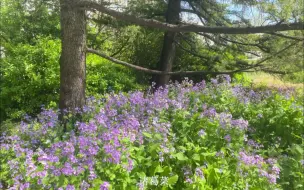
184,136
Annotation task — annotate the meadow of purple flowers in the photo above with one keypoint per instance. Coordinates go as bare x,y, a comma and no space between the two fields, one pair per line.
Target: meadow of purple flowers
182,136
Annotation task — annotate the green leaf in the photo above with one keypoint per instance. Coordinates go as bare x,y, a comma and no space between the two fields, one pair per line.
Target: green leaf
45,180
141,174
180,156
196,157
158,169
167,170
148,135
172,180
61,181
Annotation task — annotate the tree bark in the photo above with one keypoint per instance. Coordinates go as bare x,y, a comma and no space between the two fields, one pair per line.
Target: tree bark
73,56
169,45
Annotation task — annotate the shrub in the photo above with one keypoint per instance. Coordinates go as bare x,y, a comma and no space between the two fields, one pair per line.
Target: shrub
30,78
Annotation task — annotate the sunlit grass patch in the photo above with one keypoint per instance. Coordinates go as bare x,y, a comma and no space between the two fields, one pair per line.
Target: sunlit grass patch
261,79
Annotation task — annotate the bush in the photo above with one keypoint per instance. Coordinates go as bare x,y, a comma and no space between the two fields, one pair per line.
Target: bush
30,78
105,77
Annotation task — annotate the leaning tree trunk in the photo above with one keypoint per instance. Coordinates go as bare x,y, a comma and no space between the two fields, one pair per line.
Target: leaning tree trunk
169,45
73,56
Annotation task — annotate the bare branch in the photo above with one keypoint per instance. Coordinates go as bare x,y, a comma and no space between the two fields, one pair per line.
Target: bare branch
286,36
240,43
4,38
188,11
261,47
121,48
192,52
238,49
187,27
275,72
197,13
151,71
259,63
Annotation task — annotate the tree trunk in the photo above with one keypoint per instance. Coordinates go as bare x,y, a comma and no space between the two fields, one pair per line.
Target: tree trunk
169,45
73,56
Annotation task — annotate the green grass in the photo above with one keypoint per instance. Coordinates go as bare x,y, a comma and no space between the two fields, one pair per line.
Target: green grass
273,81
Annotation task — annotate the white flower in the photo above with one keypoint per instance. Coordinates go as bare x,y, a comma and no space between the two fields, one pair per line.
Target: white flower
154,180
164,181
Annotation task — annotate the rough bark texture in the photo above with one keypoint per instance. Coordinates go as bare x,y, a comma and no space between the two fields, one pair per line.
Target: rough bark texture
72,60
169,46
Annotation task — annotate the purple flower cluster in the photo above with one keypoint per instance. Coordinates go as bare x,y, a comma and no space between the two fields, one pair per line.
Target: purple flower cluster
267,168
187,174
251,160
118,123
104,186
247,95
225,119
254,144
199,173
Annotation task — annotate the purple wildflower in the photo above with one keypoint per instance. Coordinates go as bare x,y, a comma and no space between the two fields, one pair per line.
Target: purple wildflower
272,178
188,180
67,169
275,170
84,185
199,173
70,187
201,133
104,186
227,138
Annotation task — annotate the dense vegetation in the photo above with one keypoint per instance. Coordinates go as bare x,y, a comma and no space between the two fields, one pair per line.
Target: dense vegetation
31,47
77,110
185,136
31,78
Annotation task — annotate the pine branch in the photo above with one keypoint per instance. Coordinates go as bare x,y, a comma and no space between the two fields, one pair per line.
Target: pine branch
151,71
89,5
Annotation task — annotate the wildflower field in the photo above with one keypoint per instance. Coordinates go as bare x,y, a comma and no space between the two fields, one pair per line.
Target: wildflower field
218,135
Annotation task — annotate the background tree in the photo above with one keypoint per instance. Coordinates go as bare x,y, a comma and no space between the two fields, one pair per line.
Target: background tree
71,9
167,57
207,49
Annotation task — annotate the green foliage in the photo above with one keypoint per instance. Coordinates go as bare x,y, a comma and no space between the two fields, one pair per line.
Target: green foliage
278,126
25,21
30,77
183,137
104,77
242,78
296,77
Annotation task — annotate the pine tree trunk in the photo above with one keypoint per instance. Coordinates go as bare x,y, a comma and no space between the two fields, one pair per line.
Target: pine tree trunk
169,45
73,56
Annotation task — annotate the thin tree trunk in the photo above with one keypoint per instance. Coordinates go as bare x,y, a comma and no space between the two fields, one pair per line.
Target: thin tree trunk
169,45
73,56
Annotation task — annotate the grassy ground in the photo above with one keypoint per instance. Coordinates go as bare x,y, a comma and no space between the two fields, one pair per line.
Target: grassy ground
264,79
